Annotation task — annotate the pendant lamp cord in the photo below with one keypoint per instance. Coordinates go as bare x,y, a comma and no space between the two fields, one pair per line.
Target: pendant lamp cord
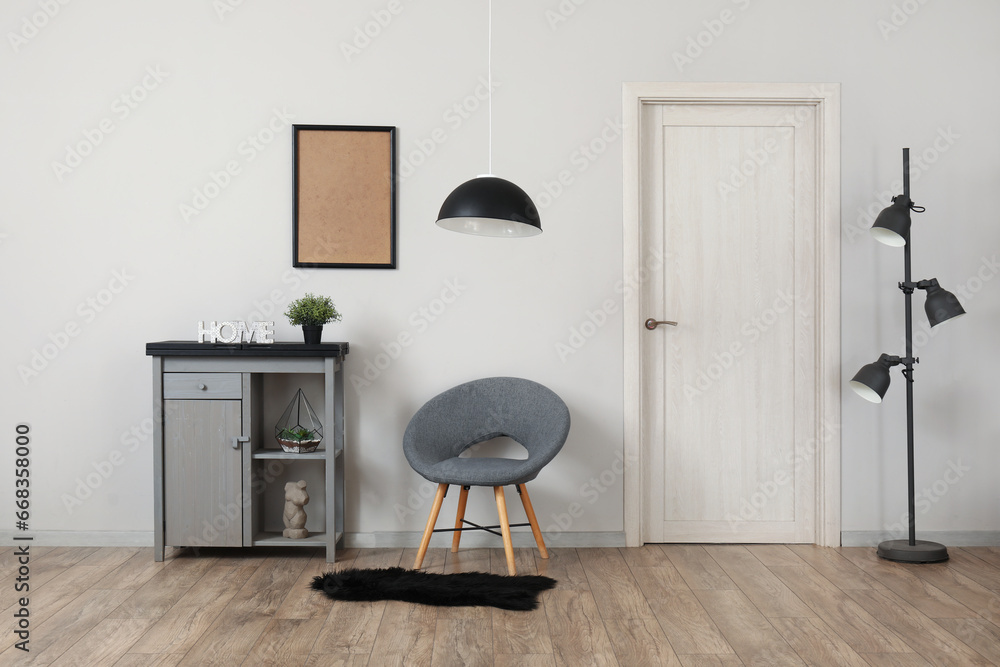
489,67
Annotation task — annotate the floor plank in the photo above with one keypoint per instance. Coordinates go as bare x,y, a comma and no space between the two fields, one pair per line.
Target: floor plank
459,642
687,626
336,660
524,561
711,661
350,628
177,630
699,570
106,643
519,632
48,600
165,588
150,660
769,595
285,641
267,588
980,600
974,568
775,555
640,641
302,601
755,641
228,640
817,643
832,565
902,579
989,555
615,590
406,635
895,660
53,637
577,631
848,619
524,660
981,636
923,635
133,573
44,564
565,567
653,571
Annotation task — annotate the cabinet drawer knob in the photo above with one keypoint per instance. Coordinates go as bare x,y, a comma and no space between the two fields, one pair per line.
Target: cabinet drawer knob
201,385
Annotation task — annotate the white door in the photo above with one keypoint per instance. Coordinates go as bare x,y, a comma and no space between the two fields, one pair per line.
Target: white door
729,232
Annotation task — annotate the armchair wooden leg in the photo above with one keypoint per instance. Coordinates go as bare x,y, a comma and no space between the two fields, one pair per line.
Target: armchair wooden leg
431,520
508,545
463,497
522,490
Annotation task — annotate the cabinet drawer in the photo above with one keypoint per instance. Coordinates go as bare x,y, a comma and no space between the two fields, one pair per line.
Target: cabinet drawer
203,385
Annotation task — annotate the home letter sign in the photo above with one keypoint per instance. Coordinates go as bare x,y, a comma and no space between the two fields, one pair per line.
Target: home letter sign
239,332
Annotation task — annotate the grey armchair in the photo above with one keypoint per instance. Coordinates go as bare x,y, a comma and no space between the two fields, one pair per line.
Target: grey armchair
474,412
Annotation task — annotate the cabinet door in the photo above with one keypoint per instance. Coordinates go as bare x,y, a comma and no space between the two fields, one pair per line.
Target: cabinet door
203,474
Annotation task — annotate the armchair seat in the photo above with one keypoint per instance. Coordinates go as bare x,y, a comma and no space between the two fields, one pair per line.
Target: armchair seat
463,416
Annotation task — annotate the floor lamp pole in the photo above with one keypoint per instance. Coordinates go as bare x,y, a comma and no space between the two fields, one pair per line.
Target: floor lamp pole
908,362
910,550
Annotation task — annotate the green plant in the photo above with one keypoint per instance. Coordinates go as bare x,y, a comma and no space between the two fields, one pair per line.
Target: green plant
312,310
296,434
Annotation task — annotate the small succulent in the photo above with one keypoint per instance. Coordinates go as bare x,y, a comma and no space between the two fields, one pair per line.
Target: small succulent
296,434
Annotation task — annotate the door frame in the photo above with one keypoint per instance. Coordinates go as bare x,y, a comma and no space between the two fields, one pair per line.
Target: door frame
825,100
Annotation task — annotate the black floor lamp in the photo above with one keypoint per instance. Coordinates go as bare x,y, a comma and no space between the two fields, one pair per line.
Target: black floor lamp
892,227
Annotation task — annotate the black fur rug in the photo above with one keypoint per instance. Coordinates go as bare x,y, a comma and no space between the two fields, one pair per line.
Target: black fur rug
463,589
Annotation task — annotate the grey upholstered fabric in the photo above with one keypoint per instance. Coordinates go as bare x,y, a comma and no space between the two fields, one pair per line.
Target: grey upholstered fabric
453,421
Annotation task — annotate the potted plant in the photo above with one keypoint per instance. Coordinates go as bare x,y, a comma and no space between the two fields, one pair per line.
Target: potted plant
311,312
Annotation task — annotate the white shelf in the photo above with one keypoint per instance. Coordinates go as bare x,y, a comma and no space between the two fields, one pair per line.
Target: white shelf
318,455
275,539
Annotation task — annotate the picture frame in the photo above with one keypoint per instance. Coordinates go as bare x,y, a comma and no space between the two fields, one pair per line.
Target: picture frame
344,206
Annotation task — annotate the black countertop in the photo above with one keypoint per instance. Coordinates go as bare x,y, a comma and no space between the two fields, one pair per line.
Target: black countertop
190,348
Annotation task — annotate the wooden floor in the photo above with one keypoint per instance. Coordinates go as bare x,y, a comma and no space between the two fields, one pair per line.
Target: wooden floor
658,605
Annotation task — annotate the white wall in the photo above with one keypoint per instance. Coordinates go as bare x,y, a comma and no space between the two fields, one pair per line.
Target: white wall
929,85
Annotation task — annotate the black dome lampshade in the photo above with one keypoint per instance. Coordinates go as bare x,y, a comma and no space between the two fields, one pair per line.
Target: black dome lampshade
487,205
872,381
941,305
490,206
892,226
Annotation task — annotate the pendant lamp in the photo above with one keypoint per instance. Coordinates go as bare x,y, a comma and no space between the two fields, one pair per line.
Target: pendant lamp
488,205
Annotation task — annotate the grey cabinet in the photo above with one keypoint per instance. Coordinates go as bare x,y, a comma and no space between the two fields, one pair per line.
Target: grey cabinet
202,473
214,456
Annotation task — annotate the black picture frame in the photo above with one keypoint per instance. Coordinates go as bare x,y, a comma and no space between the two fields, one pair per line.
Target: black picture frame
344,198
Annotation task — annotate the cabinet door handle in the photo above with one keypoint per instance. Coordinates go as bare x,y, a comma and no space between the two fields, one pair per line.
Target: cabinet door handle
237,439
652,324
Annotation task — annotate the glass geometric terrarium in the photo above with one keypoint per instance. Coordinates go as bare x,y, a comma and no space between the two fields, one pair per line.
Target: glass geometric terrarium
299,429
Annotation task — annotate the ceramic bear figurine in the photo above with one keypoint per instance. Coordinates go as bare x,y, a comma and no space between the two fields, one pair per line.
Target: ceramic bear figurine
295,516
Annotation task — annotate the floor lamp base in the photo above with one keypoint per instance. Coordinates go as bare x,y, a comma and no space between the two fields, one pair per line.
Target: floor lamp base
923,551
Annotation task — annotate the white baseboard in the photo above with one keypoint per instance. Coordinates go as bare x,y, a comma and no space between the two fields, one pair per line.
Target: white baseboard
949,538
399,540
79,538
68,538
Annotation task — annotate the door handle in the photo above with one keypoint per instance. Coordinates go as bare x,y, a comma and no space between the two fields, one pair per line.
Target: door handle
652,324
237,439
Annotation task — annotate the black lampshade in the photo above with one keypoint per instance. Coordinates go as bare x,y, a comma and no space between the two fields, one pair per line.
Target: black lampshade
872,381
941,305
892,226
490,206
